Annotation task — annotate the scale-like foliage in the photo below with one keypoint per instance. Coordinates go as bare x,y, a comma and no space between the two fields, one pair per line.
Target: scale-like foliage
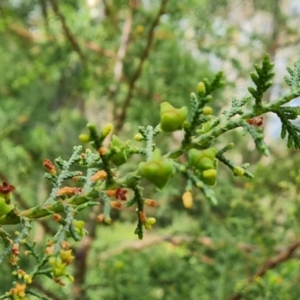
293,80
262,80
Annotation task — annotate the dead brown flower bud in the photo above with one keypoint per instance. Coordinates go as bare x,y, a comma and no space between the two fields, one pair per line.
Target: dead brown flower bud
49,166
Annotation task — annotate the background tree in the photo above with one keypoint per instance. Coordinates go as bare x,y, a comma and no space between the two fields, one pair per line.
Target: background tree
64,63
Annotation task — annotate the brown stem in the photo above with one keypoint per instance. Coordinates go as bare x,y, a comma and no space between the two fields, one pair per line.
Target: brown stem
21,32
118,69
24,33
96,48
107,9
43,4
271,263
138,71
70,37
276,27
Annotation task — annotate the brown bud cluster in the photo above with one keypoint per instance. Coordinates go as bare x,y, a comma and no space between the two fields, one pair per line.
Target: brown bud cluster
6,188
100,175
102,151
57,217
15,249
100,218
67,190
150,202
49,166
118,193
115,204
18,292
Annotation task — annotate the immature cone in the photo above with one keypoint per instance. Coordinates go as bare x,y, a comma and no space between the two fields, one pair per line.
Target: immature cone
79,227
209,177
4,207
206,127
238,171
119,156
187,199
138,137
204,163
171,118
149,222
158,170
207,110
203,159
84,138
66,256
106,130
201,88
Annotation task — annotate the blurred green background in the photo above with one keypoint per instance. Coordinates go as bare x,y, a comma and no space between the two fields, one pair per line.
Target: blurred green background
64,63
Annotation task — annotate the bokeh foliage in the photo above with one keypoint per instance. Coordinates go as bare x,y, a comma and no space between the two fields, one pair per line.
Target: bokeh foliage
58,70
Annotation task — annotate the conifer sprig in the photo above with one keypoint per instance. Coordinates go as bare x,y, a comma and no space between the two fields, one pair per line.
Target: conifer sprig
262,80
287,114
217,83
288,129
257,136
293,80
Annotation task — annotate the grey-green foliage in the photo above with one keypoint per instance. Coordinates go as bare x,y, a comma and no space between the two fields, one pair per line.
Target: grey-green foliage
293,79
288,114
262,80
